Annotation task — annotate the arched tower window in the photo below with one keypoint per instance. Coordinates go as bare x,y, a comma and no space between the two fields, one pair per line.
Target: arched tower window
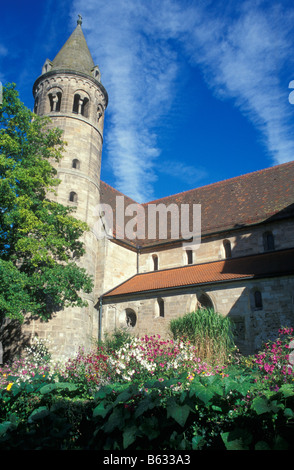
81,105
55,101
227,249
155,262
76,164
73,197
99,112
268,241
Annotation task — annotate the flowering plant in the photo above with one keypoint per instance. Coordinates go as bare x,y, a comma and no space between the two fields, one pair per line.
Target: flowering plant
88,369
152,357
274,361
35,362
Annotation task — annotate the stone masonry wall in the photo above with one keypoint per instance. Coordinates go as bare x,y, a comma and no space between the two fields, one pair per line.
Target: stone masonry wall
235,300
243,242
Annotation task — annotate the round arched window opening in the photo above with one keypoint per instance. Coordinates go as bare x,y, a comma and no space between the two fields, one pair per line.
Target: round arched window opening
131,318
76,164
205,302
73,197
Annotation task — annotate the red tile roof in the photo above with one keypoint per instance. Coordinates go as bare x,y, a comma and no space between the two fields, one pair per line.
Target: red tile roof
253,198
261,265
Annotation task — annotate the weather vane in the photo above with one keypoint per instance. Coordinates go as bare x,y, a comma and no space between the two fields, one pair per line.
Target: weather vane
79,20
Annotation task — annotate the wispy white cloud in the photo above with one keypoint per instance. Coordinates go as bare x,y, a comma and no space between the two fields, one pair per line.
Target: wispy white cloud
240,47
188,174
244,60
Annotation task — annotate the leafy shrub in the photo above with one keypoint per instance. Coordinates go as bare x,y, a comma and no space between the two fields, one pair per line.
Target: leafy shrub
116,340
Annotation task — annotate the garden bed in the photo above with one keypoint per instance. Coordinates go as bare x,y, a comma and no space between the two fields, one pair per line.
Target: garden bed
149,394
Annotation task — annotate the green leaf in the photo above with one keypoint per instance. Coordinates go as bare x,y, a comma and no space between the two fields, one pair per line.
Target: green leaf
150,427
287,390
263,405
280,444
204,394
198,442
260,405
101,410
262,445
289,413
179,413
38,413
144,405
238,439
58,386
129,436
4,427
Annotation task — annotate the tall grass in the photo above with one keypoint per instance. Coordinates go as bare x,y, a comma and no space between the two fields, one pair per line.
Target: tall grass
210,332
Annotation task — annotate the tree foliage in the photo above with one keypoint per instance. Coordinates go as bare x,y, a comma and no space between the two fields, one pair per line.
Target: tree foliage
40,240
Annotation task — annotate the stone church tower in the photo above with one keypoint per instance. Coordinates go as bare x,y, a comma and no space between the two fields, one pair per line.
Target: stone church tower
69,91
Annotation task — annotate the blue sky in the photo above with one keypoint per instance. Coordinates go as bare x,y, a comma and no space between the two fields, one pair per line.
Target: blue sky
198,90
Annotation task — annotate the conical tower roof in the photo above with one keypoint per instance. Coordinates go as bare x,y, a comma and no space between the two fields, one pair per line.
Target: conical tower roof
75,54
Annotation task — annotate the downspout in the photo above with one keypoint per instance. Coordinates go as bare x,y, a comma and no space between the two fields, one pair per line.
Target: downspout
100,319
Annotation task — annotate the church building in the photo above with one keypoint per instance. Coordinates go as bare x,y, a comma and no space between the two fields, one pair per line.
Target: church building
238,259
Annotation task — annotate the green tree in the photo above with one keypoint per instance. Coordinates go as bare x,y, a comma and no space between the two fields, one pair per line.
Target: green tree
40,240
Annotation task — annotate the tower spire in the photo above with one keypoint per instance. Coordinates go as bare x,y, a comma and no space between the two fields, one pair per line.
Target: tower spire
75,54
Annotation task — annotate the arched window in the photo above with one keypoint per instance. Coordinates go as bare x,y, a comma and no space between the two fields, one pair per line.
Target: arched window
268,241
55,101
155,262
81,105
76,164
160,303
73,197
204,301
189,254
257,300
227,249
99,112
131,317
